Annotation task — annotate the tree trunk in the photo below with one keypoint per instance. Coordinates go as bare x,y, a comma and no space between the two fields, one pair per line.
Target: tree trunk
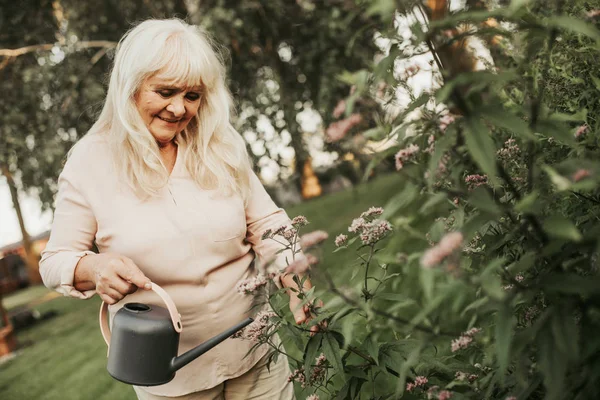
31,258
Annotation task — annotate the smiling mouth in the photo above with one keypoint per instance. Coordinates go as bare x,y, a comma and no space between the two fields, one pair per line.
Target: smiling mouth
168,120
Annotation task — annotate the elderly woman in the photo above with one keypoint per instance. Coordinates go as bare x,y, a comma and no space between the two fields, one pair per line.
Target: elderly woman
162,183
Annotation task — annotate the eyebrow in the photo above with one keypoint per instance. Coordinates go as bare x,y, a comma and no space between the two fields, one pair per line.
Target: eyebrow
177,88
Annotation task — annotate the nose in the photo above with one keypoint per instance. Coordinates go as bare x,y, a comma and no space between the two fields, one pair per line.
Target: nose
177,106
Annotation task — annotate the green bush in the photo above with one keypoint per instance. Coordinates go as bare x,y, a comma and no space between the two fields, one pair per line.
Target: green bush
488,286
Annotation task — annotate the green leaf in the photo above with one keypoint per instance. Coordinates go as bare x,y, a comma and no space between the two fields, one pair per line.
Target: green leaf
331,348
564,331
483,201
427,278
504,332
507,120
481,147
571,284
400,200
490,280
552,364
557,179
557,130
371,346
527,204
573,24
433,201
312,352
560,227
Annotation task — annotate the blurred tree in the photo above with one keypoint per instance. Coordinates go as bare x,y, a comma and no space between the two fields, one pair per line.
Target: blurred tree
286,59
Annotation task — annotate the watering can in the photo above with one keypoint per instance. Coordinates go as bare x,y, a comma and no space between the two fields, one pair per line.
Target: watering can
143,344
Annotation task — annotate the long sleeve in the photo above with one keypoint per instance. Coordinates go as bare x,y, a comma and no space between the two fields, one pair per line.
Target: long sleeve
263,214
71,238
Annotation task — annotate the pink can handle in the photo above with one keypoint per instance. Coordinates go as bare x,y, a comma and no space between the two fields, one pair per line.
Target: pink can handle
175,316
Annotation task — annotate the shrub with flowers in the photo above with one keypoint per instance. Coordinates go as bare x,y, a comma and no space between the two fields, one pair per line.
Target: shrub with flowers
480,278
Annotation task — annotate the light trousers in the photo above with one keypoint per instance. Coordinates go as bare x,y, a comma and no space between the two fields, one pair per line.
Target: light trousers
258,383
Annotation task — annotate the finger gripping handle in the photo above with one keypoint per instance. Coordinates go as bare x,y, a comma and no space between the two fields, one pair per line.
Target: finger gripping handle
175,316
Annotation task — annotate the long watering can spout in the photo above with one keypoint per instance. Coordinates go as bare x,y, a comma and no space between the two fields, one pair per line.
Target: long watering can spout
196,352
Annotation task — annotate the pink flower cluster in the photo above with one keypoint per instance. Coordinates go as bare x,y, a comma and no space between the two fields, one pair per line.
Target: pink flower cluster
445,121
581,131
476,180
313,238
420,381
405,155
434,392
374,231
251,285
317,375
320,369
299,221
581,174
372,212
341,240
510,150
463,376
339,109
464,340
430,145
446,247
357,225
592,14
301,264
258,329
299,376
338,130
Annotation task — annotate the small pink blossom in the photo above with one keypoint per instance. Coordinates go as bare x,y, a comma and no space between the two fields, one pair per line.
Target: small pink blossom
257,330
592,14
357,225
298,376
461,343
410,386
581,130
298,266
519,278
444,395
338,130
299,221
464,340
289,234
447,245
420,380
313,397
339,109
374,231
451,242
313,238
372,211
476,180
251,285
445,121
405,155
510,150
341,240
581,174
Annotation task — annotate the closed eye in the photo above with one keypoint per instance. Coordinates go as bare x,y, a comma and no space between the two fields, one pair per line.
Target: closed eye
192,96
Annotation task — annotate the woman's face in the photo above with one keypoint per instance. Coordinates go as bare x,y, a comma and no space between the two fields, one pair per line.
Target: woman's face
166,109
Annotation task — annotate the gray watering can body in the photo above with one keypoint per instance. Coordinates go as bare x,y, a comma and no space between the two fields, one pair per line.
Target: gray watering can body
144,342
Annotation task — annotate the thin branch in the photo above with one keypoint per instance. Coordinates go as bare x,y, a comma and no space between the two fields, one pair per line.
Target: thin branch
48,46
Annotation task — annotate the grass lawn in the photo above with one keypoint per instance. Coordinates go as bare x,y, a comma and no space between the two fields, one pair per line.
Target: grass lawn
65,357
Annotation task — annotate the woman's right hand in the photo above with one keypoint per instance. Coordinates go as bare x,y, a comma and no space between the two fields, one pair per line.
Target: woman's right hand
113,275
